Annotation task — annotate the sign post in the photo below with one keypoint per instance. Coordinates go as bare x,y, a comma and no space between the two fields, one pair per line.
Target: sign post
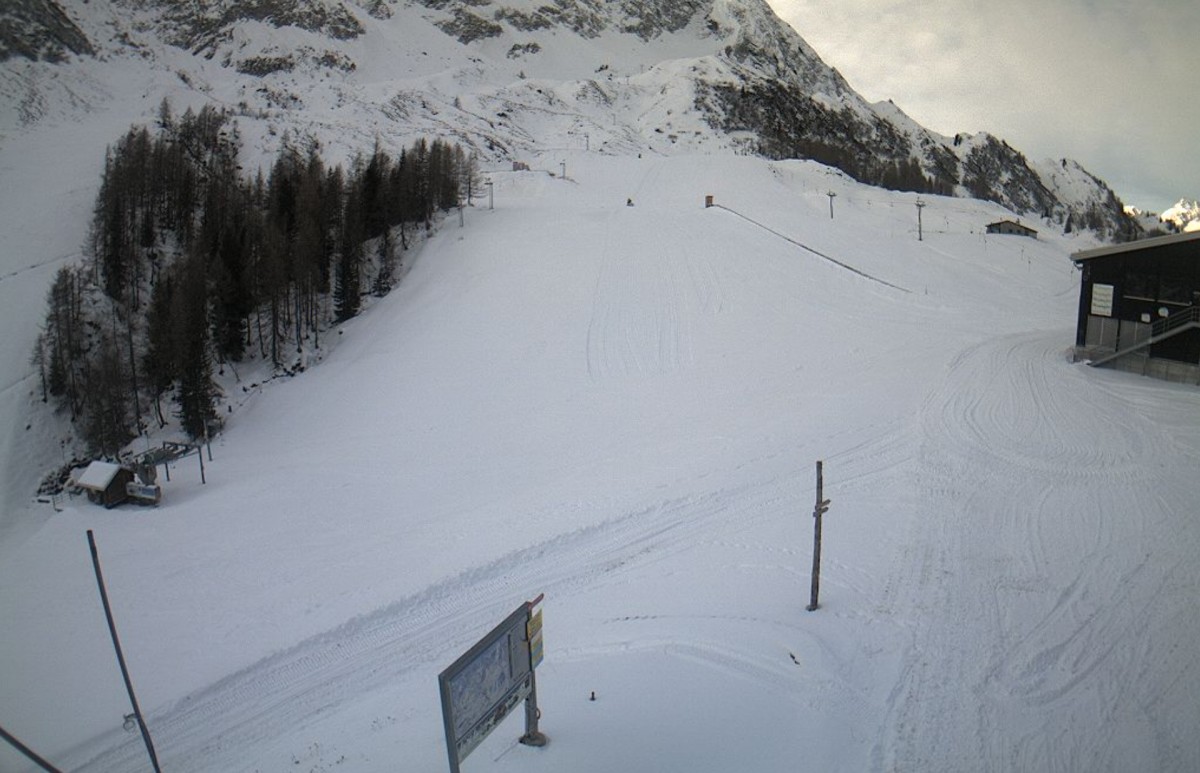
483,686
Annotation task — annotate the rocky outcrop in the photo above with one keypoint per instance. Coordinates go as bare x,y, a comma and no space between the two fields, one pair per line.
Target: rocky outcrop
39,30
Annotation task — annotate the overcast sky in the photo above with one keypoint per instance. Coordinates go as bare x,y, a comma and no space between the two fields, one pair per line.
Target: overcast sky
1112,84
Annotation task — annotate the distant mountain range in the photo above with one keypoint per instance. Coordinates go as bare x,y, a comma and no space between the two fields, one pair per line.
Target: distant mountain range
510,76
1183,216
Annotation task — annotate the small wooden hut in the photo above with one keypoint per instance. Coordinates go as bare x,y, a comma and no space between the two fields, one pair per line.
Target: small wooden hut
105,483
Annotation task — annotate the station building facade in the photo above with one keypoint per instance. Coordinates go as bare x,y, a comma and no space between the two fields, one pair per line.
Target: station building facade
1139,307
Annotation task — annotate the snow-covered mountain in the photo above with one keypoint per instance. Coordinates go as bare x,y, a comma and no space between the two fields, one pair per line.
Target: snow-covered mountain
1184,214
661,76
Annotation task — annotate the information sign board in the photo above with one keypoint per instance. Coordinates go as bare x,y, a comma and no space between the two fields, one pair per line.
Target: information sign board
491,679
1102,300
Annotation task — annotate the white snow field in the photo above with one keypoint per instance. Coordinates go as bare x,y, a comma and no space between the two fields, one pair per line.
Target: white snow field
621,407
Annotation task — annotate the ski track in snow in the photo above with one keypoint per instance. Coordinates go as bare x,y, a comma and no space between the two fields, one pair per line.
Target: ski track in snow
1075,614
641,312
214,729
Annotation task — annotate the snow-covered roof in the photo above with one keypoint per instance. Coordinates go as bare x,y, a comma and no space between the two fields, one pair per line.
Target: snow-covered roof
1141,244
98,475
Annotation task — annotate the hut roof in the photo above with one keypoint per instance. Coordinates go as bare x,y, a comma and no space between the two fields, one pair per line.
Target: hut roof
98,476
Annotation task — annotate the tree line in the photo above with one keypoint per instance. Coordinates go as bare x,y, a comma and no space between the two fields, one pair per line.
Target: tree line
191,265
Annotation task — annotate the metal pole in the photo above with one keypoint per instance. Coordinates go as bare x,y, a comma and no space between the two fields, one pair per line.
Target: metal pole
533,736
920,206
831,196
821,506
112,629
30,753
491,199
200,456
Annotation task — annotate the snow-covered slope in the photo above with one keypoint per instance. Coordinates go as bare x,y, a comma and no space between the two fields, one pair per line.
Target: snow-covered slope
621,407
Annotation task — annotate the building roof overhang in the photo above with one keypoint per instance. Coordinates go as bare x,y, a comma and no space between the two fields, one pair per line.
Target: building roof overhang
1137,246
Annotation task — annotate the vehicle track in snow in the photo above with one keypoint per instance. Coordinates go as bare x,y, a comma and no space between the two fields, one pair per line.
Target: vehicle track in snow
1060,664
221,726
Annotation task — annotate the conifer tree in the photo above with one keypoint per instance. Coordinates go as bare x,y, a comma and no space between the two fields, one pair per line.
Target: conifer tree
160,359
64,332
196,395
347,277
107,419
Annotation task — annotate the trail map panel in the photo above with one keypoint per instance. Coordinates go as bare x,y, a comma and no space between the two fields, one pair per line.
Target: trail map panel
483,686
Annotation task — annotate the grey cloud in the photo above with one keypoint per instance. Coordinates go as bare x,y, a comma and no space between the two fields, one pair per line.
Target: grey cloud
1108,83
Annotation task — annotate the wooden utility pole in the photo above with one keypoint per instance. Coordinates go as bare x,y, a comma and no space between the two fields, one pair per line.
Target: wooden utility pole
821,507
30,753
112,629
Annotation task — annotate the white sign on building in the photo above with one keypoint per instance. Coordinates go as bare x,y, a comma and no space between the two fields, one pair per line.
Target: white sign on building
1102,300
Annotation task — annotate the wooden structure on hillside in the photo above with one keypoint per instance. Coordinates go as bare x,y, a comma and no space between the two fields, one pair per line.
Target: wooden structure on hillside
105,482
1011,227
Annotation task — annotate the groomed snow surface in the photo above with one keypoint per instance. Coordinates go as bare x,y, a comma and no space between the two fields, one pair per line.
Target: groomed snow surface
621,407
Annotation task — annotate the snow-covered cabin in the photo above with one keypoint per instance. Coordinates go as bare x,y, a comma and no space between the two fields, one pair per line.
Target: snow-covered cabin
105,483
1011,227
1139,307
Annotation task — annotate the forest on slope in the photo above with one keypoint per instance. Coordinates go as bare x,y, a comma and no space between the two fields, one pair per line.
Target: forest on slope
191,264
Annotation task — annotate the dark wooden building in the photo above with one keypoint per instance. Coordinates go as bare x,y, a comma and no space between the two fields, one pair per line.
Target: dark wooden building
1139,306
105,483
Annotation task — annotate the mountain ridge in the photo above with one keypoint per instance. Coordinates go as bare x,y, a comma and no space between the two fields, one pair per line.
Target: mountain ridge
750,81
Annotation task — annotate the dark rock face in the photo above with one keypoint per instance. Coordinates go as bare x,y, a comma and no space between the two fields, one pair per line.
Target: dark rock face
994,171
201,25
467,27
39,30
